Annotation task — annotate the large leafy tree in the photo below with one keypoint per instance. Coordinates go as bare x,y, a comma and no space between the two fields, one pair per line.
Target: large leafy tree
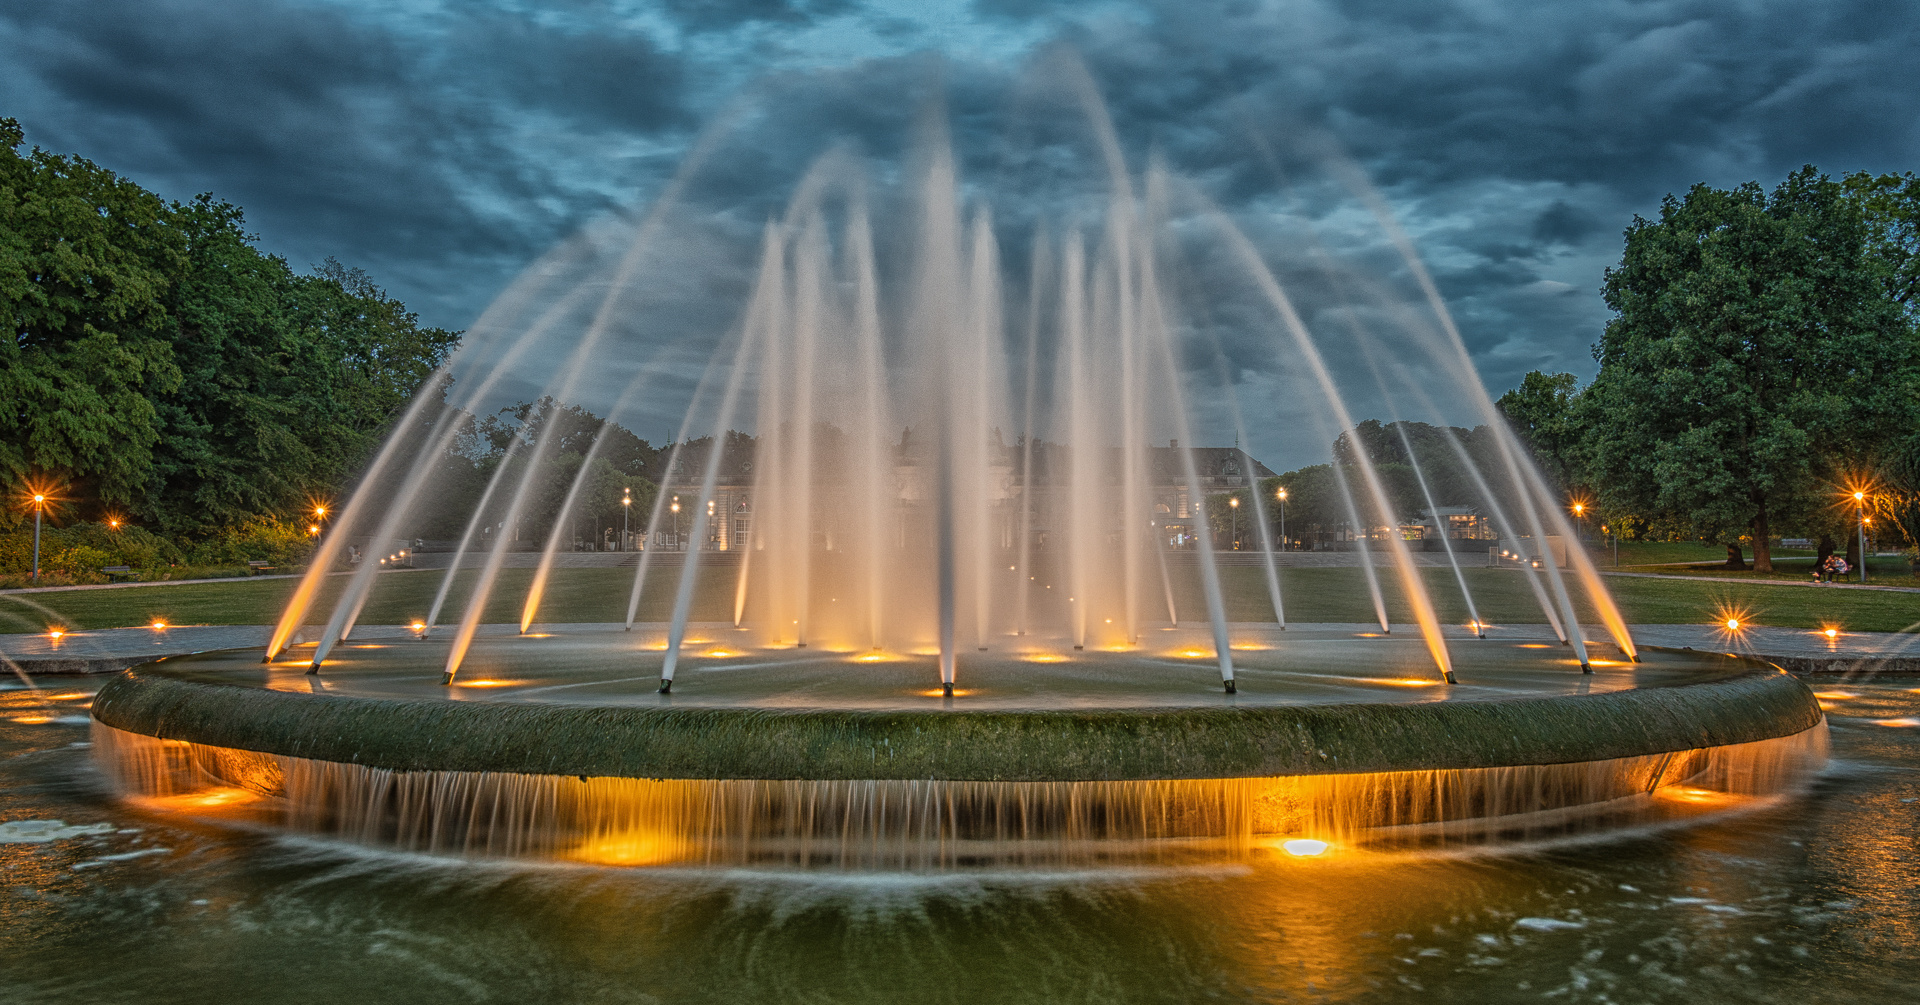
86,262
1754,353
289,380
1541,410
157,360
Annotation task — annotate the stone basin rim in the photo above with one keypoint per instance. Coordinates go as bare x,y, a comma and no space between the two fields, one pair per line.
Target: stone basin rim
962,745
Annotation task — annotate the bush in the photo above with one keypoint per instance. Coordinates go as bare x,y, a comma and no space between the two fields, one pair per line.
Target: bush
76,554
262,538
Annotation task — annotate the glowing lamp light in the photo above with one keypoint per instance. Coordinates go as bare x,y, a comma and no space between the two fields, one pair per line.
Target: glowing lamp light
56,633
1831,634
115,524
1304,847
1733,624
159,626
38,499
1857,496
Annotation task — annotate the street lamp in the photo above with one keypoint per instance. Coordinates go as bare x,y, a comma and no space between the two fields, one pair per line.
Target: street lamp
1233,503
626,507
1283,518
1859,502
676,523
39,506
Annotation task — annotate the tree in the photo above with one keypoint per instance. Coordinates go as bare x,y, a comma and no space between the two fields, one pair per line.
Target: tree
86,259
1541,410
1753,352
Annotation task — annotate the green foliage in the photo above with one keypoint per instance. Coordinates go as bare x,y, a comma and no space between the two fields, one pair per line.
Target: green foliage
259,538
1890,205
76,553
1541,410
1754,355
86,262
159,361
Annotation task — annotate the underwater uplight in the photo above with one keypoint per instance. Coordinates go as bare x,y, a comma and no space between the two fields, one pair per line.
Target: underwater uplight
1304,847
1831,633
487,683
719,653
1045,658
56,633
159,626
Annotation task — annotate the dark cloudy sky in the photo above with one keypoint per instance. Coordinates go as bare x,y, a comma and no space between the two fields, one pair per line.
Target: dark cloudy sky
445,146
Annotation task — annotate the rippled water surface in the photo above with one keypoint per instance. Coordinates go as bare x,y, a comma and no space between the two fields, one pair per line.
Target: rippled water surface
1810,900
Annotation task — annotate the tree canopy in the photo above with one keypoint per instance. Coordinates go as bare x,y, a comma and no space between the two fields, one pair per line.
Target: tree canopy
161,365
1762,353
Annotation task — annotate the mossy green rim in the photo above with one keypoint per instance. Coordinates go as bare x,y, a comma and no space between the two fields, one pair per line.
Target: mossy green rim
960,745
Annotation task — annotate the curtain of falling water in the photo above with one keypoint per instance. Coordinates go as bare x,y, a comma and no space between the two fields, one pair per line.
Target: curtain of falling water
944,824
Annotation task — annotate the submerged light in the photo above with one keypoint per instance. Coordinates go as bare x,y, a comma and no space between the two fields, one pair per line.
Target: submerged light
55,633
1304,847
159,626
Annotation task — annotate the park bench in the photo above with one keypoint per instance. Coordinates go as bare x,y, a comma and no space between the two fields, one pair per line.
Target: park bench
256,566
116,573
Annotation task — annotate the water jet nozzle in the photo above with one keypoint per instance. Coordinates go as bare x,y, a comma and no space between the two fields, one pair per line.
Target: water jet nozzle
1450,677
1586,667
666,684
983,649
314,670
1079,647
1230,687
447,679
947,688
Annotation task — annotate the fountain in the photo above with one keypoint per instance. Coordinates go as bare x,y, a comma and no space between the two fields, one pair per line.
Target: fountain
950,643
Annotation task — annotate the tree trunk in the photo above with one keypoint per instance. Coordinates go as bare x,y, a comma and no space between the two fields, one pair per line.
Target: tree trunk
1734,559
1825,549
1762,549
1853,554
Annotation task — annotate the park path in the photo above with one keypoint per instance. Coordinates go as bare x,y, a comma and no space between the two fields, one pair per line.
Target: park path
113,649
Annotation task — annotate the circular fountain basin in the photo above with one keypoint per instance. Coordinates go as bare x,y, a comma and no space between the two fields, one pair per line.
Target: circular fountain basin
584,703
557,746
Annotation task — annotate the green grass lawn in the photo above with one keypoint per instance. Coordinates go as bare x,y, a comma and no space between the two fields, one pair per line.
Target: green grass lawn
600,595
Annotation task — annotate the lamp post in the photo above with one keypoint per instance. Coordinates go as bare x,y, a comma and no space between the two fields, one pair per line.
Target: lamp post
1283,518
1233,503
39,506
676,523
1859,502
626,507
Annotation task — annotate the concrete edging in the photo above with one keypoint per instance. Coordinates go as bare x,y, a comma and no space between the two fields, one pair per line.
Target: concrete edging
707,743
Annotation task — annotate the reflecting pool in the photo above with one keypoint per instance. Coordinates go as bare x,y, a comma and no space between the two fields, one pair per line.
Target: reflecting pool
1808,899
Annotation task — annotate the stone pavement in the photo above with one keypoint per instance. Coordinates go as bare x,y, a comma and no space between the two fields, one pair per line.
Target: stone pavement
1798,650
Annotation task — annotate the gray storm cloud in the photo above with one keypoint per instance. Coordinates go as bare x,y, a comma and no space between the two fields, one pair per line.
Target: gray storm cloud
444,149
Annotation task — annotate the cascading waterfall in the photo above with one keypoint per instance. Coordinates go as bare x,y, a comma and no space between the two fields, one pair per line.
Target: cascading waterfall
946,824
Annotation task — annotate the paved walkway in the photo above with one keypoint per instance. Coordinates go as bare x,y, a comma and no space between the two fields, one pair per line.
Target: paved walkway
115,649
1765,582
